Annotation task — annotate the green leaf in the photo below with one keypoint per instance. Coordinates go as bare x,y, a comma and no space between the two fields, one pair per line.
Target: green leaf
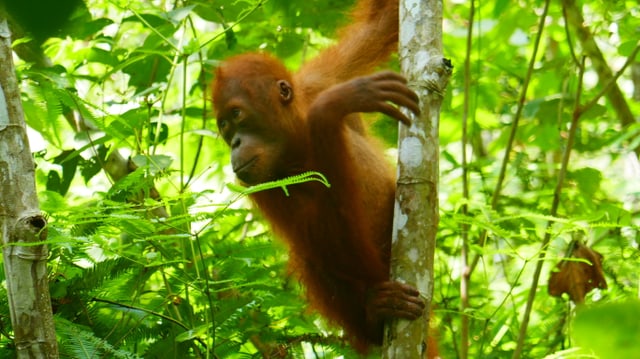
179,14
155,163
195,333
588,180
499,7
161,138
69,162
626,48
611,330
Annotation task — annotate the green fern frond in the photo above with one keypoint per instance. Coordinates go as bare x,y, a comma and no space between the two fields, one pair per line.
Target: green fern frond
94,277
79,342
283,183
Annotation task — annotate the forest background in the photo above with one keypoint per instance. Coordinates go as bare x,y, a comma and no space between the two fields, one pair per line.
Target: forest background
152,254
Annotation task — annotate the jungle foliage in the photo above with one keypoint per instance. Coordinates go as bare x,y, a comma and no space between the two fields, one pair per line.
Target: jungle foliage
152,255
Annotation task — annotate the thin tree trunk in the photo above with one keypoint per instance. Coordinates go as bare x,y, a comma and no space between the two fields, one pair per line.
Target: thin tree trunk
615,96
465,278
22,225
416,214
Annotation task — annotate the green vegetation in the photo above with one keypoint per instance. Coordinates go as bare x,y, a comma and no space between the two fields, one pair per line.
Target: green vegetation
153,256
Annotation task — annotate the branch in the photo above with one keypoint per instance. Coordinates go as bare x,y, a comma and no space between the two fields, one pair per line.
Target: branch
573,16
514,128
554,211
464,227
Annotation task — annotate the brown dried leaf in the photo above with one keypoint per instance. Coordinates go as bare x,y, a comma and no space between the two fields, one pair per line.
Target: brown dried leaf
578,278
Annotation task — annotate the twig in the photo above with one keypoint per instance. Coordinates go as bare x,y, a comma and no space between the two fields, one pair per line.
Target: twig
464,252
514,128
554,211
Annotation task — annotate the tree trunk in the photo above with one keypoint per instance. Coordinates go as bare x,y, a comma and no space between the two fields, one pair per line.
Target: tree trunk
416,213
22,225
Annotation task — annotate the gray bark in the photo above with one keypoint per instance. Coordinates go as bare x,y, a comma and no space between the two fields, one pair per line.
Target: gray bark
416,212
22,225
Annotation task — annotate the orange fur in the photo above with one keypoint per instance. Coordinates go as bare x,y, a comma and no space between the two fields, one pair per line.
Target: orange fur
340,237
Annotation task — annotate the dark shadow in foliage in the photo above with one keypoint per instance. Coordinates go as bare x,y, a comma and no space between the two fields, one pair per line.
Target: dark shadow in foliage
42,19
